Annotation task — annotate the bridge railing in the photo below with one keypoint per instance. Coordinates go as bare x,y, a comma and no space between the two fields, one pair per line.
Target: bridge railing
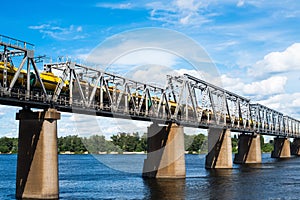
10,42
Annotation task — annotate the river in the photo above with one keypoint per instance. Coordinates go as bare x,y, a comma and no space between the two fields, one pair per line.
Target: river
86,177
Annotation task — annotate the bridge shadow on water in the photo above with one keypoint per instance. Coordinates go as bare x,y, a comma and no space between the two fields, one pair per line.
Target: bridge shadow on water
165,188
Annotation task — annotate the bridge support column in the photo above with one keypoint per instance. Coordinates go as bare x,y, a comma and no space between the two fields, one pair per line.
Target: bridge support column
249,149
37,167
165,158
281,148
295,147
219,149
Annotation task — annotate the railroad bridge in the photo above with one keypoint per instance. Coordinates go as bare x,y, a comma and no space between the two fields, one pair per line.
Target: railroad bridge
185,101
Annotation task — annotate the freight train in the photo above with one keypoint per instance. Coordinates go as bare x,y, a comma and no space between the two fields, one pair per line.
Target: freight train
50,81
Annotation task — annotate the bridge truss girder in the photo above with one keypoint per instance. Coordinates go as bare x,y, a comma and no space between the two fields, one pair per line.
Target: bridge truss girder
99,90
272,122
184,100
16,48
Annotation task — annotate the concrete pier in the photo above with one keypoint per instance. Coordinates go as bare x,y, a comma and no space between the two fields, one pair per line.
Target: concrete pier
165,158
219,149
281,148
37,167
295,147
249,149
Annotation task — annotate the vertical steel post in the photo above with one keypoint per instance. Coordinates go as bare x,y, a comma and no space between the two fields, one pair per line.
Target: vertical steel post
5,68
28,80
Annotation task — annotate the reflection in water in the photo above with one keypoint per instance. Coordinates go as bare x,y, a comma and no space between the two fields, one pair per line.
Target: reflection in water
252,166
233,183
237,183
165,189
220,172
218,181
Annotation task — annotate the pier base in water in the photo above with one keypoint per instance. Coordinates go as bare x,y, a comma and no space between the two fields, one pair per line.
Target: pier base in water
281,148
249,149
219,149
37,167
295,147
165,158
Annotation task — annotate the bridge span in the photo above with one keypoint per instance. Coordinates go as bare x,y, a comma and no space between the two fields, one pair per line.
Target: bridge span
185,101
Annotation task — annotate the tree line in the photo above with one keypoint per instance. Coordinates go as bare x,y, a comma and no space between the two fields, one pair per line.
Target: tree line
8,145
265,147
122,142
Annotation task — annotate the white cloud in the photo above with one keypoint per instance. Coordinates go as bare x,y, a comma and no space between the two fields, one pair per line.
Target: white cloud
121,6
273,81
139,48
151,74
224,45
39,27
258,89
179,12
79,29
147,56
272,85
188,5
185,20
288,104
278,62
270,92
240,3
8,123
212,78
129,52
60,33
87,125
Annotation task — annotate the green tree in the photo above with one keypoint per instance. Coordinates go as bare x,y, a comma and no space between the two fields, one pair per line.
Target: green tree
110,147
234,143
15,145
188,140
142,144
266,147
6,145
97,143
129,142
197,144
71,143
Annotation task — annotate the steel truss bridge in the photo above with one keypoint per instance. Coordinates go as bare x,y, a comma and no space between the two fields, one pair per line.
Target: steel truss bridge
185,100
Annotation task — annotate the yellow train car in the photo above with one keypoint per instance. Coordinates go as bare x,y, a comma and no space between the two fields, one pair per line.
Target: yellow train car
11,70
50,81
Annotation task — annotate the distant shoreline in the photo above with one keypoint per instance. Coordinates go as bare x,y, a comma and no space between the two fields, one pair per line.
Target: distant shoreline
120,153
115,153
105,153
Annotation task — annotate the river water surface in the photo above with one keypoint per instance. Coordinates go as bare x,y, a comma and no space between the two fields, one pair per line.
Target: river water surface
85,177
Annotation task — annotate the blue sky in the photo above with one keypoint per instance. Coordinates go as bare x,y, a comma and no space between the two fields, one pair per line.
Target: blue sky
255,44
